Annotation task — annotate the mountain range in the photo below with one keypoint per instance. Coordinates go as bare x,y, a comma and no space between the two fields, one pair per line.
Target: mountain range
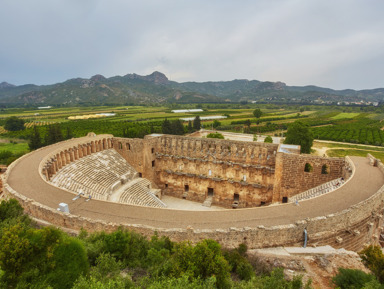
157,88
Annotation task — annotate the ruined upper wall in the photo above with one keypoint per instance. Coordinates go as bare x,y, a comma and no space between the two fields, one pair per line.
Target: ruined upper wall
221,150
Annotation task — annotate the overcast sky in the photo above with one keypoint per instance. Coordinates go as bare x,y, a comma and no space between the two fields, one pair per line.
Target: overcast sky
330,43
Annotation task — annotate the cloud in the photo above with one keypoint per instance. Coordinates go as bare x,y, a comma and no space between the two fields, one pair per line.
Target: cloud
336,44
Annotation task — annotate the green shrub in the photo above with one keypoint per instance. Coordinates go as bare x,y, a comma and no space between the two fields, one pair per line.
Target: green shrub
10,209
268,139
352,278
215,135
373,258
203,261
70,261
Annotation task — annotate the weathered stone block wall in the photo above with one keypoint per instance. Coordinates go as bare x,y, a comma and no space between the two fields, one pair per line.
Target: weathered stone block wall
139,153
132,150
291,177
220,150
187,167
234,170
248,194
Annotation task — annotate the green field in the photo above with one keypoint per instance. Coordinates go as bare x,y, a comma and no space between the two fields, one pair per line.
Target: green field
357,125
345,115
15,148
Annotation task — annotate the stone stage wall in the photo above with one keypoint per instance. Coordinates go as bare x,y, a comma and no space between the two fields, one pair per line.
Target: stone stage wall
234,173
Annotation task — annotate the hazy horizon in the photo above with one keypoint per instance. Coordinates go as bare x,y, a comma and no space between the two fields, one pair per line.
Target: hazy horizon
333,44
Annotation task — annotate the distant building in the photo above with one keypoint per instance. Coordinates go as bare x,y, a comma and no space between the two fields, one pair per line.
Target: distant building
44,107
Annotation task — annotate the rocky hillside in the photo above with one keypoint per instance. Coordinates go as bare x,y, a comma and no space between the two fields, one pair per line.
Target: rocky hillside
156,88
318,264
98,90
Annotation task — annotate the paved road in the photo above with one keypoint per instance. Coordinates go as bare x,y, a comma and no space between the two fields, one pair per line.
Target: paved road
25,178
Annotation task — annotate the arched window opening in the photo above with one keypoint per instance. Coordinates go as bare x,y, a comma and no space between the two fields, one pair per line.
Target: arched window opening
325,170
308,168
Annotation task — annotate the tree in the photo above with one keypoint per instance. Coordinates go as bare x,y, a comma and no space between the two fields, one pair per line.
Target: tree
216,123
268,139
353,278
10,209
300,134
247,123
177,127
14,123
204,261
257,113
255,137
190,127
15,252
54,134
166,127
197,123
69,133
35,140
373,258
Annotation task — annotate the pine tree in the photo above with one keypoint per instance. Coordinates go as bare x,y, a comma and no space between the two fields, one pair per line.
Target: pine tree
53,135
50,137
59,133
177,127
197,123
69,133
190,128
35,140
166,127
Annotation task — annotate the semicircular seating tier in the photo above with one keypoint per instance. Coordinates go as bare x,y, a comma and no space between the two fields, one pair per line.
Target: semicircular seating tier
107,176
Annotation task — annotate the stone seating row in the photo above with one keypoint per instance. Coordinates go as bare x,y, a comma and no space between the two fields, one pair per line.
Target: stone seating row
97,172
319,190
139,192
77,187
100,174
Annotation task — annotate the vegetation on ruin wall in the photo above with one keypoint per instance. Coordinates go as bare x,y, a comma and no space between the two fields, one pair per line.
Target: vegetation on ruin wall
32,257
